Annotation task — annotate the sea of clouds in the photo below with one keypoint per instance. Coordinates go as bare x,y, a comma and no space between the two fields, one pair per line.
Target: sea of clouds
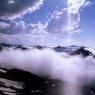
74,71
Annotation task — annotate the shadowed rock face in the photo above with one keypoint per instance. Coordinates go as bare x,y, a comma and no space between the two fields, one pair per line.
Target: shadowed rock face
5,45
68,49
1,48
38,47
74,50
82,51
2,45
18,82
59,49
22,47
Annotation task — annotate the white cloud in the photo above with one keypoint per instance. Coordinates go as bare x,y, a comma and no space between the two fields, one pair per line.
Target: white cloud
4,25
58,22
11,2
34,34
20,33
75,5
68,19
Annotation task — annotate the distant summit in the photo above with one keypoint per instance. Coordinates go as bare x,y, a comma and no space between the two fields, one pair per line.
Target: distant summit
5,45
68,49
22,47
72,50
82,51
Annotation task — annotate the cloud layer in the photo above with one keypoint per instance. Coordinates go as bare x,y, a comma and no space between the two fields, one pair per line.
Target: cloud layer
16,8
74,71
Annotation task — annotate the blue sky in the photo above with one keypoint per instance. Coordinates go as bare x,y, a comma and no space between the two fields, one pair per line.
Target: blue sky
48,22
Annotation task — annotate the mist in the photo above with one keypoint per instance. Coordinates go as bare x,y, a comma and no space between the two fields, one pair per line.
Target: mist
74,71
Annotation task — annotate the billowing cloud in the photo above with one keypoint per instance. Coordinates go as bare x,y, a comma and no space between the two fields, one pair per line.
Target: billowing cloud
59,21
75,5
21,27
12,28
16,8
19,32
61,25
33,34
4,25
68,19
65,20
73,8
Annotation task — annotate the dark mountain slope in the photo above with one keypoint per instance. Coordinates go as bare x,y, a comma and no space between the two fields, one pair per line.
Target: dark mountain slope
82,51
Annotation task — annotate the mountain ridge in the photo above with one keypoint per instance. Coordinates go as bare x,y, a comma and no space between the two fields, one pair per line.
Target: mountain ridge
72,50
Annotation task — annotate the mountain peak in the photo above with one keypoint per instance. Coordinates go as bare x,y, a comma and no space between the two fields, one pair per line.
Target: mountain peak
82,51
